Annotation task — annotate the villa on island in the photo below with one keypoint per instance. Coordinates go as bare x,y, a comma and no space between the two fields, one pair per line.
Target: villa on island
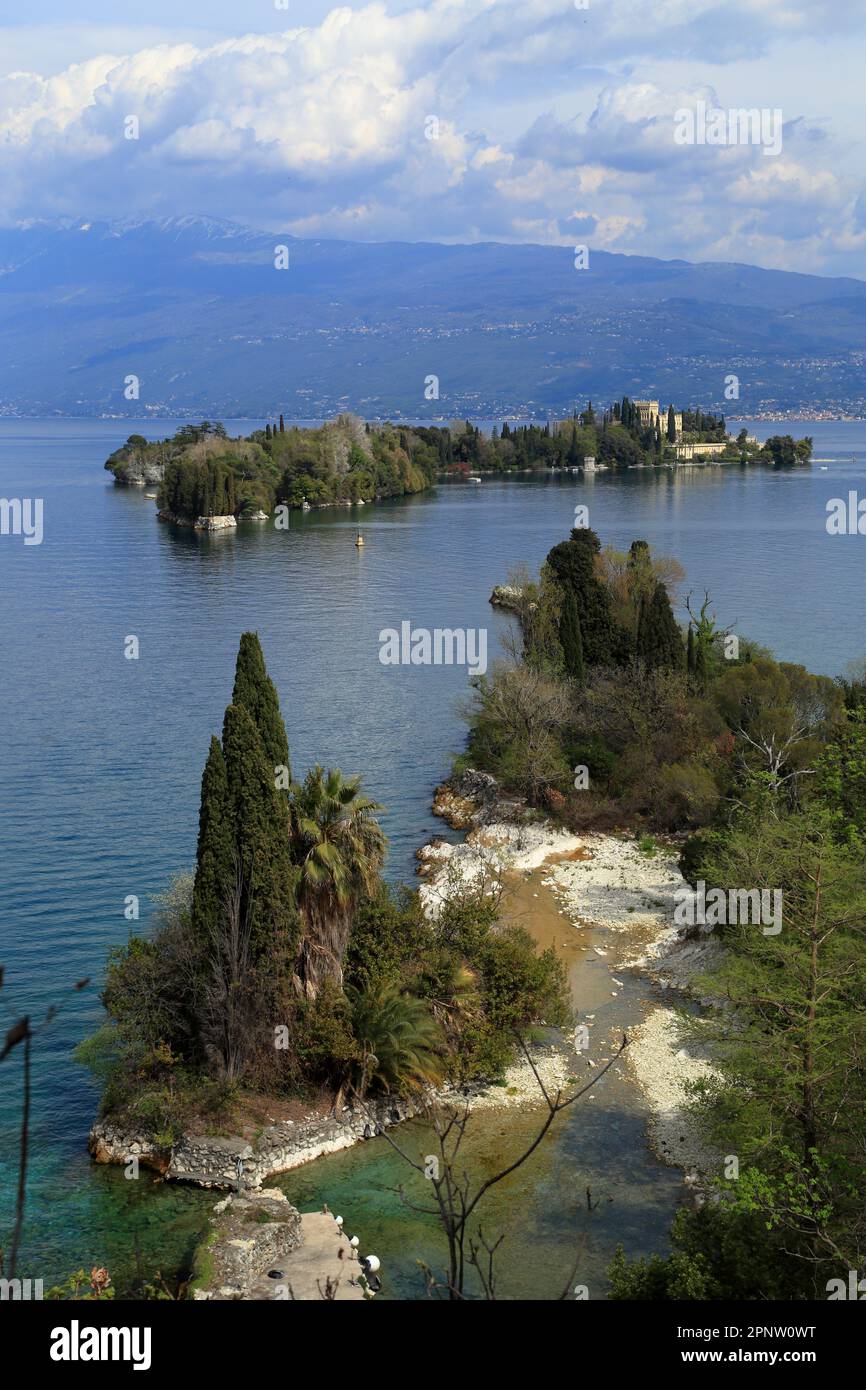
702,450
648,414
636,433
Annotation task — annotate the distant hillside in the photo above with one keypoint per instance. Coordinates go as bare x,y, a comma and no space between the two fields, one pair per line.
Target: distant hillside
196,310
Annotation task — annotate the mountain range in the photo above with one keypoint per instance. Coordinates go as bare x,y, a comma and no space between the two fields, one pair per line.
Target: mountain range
199,313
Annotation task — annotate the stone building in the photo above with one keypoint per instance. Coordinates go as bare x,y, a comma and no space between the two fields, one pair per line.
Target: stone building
648,412
705,450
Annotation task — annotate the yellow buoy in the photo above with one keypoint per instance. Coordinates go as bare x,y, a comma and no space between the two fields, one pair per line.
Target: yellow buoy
360,539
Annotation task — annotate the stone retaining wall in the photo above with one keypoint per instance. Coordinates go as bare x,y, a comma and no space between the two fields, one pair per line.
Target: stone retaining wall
213,1161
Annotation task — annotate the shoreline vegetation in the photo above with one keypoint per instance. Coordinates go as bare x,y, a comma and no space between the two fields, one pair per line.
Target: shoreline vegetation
607,714
285,984
210,481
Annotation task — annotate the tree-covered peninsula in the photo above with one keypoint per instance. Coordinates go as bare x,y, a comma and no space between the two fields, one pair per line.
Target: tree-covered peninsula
609,715
285,967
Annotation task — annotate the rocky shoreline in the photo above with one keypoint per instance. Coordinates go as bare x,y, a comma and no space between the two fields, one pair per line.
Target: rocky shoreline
232,1162
608,882
602,880
201,523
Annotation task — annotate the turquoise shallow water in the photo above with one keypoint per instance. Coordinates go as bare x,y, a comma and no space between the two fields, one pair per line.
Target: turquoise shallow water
102,756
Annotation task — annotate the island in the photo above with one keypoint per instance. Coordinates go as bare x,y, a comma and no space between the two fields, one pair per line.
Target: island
207,479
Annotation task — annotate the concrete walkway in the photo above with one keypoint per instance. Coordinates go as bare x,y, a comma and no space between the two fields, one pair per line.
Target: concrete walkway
324,1254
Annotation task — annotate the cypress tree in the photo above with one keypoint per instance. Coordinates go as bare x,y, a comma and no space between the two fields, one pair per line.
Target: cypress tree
642,641
260,821
690,651
282,425
215,850
570,638
254,689
672,426
659,643
244,823
572,564
672,637
701,665
640,580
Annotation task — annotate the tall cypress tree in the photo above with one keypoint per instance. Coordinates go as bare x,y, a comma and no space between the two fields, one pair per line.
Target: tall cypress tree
570,638
572,564
672,426
215,850
244,822
659,643
701,672
260,821
254,689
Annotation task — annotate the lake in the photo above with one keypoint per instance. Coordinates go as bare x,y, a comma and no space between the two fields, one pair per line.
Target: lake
102,758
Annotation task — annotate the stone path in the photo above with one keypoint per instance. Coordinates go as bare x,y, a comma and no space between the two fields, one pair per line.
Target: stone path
324,1254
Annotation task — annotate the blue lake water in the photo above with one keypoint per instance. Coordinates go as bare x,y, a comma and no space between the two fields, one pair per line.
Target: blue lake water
102,756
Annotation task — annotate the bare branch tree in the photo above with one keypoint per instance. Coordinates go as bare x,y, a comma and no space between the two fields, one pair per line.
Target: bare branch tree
455,1198
22,1032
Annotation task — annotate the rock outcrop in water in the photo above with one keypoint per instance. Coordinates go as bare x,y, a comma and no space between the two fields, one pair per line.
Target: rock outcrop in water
507,596
133,465
203,523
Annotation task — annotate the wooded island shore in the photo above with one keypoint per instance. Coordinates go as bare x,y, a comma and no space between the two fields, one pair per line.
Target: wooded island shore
210,481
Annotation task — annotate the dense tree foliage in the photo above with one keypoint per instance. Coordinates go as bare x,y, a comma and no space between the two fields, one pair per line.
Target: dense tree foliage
670,725
205,473
285,965
763,765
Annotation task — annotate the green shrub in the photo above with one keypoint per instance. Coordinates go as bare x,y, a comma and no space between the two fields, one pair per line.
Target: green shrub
720,1252
696,851
684,794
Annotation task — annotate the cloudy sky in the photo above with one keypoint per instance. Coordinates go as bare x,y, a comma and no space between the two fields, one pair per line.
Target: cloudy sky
553,123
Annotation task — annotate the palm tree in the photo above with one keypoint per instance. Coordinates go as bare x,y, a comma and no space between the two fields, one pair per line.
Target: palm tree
339,848
456,1001
402,1046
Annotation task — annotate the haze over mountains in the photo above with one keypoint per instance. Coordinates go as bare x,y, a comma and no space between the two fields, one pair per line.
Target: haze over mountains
196,309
